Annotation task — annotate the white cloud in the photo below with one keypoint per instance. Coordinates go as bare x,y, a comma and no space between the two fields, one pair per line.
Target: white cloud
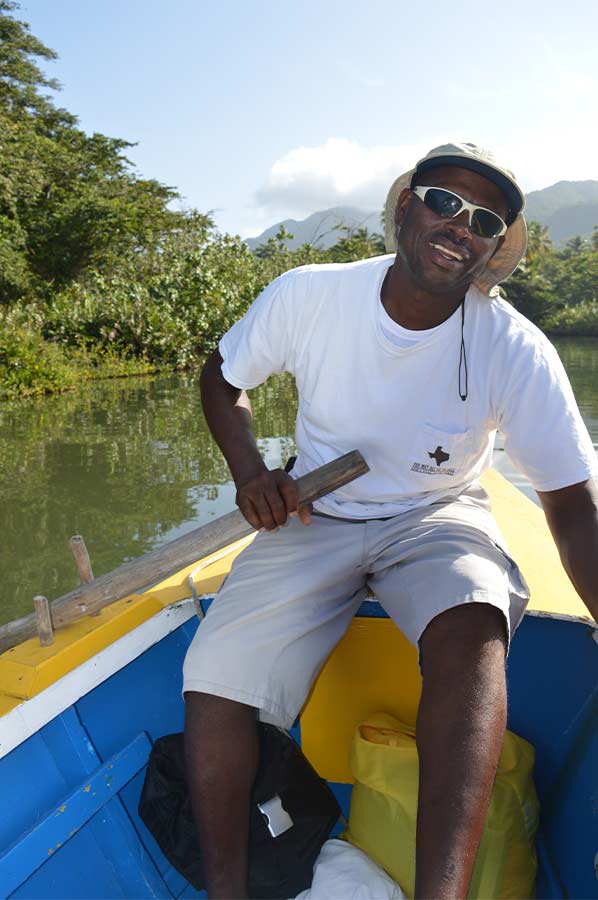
338,172
540,159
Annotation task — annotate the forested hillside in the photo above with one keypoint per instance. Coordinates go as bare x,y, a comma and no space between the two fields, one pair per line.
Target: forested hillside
99,276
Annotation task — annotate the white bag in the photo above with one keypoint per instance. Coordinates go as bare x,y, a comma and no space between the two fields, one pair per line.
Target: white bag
342,872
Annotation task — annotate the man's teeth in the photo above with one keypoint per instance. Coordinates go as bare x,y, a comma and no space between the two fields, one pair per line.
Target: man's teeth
449,254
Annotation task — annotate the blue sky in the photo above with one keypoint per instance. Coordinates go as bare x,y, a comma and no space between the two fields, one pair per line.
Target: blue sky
263,110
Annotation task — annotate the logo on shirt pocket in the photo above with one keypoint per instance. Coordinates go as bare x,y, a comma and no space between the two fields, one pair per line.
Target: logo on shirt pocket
439,452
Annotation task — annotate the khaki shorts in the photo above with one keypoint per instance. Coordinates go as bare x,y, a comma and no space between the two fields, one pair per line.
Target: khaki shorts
291,595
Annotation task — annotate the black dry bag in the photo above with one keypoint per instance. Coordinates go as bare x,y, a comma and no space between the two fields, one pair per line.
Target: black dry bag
292,813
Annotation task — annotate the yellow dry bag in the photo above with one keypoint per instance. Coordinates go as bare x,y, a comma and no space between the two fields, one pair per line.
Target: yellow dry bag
383,813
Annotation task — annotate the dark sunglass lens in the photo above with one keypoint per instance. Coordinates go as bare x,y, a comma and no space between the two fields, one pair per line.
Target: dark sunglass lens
486,223
442,203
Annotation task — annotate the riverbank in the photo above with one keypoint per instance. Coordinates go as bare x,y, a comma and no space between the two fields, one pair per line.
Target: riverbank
31,366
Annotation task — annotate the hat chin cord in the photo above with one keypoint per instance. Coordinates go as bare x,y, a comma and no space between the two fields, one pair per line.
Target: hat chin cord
463,391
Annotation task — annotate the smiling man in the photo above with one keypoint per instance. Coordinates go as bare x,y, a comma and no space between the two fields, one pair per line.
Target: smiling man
415,360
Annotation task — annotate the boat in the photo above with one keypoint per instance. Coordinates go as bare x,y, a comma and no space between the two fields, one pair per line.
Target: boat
78,718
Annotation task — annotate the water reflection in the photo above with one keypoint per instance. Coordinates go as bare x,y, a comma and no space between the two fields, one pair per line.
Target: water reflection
580,358
130,464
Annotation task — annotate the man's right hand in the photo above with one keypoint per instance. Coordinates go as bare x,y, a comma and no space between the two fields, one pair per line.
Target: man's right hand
269,498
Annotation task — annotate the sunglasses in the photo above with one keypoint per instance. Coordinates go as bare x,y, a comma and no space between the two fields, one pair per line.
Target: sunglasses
447,205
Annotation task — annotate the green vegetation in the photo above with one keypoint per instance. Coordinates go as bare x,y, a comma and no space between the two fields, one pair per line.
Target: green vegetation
557,288
100,277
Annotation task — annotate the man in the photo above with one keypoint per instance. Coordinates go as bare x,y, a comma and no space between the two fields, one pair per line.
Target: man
415,361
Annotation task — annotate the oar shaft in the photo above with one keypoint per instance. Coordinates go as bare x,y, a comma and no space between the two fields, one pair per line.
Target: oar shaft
131,577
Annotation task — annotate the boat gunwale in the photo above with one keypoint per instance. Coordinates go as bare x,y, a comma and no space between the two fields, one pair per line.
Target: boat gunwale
31,714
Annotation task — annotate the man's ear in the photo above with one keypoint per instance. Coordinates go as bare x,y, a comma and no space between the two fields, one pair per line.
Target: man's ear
405,198
499,244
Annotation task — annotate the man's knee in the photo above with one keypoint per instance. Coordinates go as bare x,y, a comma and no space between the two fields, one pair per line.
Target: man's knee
464,636
213,716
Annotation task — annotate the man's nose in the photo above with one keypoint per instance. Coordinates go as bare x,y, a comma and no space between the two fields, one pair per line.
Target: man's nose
460,225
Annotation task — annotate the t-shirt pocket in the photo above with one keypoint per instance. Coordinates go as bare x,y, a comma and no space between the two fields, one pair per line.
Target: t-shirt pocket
440,458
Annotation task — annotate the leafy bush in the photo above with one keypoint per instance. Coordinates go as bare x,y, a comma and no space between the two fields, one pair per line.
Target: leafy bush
530,293
170,309
30,365
557,289
580,320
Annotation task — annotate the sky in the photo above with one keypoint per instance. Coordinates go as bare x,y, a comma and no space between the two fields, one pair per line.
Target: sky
264,110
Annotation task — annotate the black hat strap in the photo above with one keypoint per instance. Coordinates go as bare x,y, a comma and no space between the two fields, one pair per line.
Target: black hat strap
463,382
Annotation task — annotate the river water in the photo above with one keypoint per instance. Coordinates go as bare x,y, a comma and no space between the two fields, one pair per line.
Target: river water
130,464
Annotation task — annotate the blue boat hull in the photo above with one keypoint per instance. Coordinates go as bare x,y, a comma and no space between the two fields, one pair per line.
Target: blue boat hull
70,827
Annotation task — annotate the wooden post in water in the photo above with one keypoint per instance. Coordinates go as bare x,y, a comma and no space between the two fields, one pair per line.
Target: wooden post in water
79,550
43,620
83,562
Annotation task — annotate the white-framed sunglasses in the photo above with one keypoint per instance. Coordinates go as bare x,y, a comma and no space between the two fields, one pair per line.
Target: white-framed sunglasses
447,205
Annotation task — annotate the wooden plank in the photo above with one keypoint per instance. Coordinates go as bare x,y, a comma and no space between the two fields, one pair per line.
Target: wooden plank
51,832
159,564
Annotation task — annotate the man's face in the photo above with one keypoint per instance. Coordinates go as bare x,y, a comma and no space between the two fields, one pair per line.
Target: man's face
444,255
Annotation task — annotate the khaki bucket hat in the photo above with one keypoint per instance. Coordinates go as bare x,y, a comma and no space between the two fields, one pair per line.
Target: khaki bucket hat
469,156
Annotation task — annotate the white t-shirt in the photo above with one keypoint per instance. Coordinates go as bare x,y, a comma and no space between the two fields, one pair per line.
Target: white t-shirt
396,400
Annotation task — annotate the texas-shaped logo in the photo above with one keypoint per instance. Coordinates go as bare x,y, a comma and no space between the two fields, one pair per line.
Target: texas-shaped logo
439,455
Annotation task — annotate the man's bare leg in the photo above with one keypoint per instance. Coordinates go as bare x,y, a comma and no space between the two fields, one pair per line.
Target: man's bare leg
460,733
221,750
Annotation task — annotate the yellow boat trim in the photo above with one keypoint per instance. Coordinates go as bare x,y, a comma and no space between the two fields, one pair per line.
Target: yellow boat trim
214,569
27,669
7,704
524,526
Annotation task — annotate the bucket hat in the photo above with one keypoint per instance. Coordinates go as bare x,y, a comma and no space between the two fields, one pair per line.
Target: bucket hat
477,159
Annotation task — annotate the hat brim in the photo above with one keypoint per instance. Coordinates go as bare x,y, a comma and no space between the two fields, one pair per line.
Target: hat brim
498,268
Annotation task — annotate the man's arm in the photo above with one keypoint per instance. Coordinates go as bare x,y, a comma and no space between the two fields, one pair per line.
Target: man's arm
572,515
266,498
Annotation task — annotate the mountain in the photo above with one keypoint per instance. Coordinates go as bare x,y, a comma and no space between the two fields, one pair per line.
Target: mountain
321,228
567,209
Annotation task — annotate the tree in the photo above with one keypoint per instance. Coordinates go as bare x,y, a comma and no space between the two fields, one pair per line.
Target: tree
539,242
530,293
356,244
275,245
574,246
68,201
20,77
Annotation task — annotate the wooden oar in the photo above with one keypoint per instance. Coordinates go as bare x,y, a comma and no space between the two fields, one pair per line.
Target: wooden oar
159,564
